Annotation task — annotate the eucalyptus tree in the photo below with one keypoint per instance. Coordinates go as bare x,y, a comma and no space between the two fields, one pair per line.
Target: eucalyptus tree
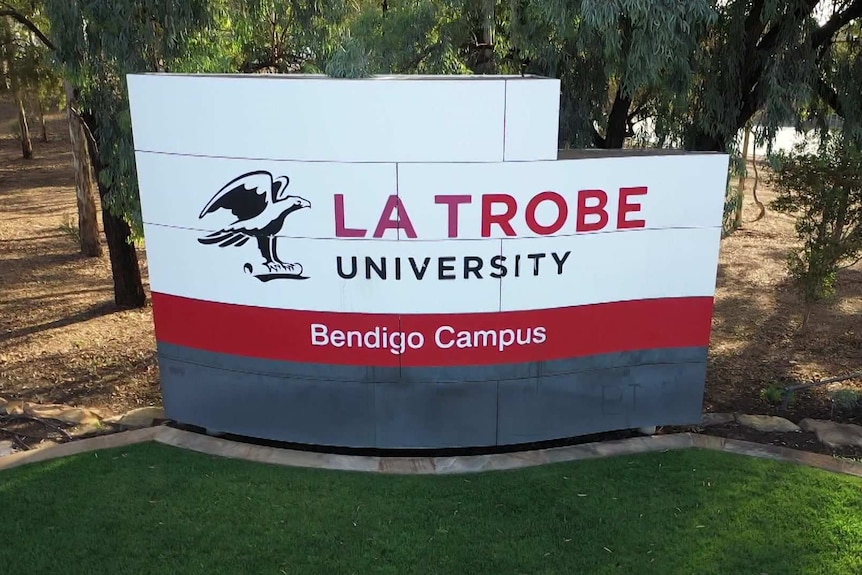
780,60
12,48
98,43
284,36
619,61
614,58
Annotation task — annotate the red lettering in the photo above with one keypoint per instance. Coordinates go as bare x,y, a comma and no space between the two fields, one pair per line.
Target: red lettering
501,220
453,202
341,231
625,207
597,210
400,220
562,213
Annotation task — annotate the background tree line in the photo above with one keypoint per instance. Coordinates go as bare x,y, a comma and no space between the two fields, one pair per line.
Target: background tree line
653,73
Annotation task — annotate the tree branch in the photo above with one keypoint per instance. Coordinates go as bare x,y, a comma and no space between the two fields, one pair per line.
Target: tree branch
829,95
598,140
15,15
754,25
769,41
91,139
755,62
838,20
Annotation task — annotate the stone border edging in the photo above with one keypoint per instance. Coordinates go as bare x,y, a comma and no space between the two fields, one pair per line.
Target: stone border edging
429,465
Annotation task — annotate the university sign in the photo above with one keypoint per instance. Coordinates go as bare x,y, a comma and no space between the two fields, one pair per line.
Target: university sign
409,261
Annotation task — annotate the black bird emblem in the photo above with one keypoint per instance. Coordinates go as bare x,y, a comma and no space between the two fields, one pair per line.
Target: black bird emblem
260,204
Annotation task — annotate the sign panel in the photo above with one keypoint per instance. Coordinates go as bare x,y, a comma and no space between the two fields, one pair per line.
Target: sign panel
457,285
317,118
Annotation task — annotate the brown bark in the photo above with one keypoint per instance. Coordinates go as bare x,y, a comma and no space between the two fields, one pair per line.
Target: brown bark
618,121
126,272
85,185
41,108
617,127
15,88
740,190
759,50
23,128
125,269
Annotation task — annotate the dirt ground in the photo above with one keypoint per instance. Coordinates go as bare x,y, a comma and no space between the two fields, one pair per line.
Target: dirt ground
63,341
61,338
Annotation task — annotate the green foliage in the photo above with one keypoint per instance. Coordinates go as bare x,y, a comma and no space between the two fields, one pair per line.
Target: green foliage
823,190
35,72
638,49
775,394
283,35
732,201
846,398
411,37
98,43
652,72
69,226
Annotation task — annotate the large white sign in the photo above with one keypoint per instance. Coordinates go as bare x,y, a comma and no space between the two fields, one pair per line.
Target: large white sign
396,220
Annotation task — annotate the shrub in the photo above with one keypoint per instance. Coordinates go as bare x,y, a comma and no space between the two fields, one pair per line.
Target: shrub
823,191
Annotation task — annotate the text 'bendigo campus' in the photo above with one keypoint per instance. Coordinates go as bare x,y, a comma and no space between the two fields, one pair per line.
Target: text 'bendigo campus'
443,337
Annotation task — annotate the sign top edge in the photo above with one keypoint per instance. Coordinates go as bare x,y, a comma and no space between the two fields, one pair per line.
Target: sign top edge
379,77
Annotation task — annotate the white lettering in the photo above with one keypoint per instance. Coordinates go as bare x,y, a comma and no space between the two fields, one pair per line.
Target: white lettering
539,335
445,337
415,340
439,332
507,338
375,333
318,334
396,343
337,338
487,336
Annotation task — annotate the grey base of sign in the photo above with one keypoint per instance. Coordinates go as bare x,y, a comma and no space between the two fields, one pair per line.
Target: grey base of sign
401,408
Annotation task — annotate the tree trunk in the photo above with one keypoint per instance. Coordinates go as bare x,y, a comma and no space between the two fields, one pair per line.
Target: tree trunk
85,185
484,61
740,191
41,108
699,141
615,135
8,65
126,272
23,128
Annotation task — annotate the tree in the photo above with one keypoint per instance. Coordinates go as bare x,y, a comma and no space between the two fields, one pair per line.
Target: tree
281,36
44,83
768,56
406,38
41,82
85,181
11,46
823,189
97,44
614,58
620,62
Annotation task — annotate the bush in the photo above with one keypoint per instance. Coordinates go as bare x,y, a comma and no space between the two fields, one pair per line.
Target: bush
823,191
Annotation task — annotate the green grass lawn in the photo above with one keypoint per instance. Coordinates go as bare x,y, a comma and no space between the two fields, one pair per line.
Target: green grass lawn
156,509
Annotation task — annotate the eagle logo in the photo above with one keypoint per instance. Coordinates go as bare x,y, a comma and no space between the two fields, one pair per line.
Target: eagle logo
260,204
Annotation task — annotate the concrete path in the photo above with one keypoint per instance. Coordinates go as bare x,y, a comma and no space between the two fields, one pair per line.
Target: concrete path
427,465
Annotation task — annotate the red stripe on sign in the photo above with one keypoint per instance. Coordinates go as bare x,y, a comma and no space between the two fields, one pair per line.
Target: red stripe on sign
432,339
